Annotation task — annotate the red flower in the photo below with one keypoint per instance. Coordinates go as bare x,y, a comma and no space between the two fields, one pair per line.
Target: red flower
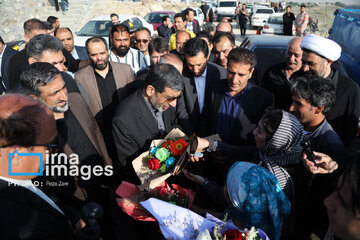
234,235
153,163
178,147
167,144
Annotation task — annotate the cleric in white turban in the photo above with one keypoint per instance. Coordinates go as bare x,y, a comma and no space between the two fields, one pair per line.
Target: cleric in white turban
322,46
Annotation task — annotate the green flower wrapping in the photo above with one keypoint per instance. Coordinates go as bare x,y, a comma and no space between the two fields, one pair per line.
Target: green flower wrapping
162,154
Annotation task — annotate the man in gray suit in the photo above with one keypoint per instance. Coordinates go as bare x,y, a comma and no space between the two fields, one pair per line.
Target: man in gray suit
107,84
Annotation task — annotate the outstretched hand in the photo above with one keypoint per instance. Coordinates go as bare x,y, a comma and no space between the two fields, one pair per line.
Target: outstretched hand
325,164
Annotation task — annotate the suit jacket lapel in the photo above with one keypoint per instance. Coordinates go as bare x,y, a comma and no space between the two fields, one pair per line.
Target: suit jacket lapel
27,197
145,114
218,95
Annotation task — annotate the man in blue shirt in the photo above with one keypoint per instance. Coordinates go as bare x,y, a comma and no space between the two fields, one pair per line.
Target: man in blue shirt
236,106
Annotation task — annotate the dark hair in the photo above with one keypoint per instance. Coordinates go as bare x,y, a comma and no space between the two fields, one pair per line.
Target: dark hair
38,74
188,10
164,18
194,46
303,5
220,35
288,6
119,28
242,55
95,39
316,90
144,29
51,19
208,27
180,15
158,44
164,75
38,44
271,121
205,34
34,24
63,28
23,126
114,15
1,40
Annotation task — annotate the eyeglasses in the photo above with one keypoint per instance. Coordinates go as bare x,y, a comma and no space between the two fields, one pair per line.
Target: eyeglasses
167,98
142,40
53,148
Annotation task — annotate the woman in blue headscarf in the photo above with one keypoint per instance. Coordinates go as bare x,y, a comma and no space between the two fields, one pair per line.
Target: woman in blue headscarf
255,198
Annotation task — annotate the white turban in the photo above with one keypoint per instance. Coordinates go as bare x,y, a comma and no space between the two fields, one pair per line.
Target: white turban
322,46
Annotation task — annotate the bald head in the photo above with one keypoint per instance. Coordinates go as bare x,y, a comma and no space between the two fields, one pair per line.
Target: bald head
294,54
181,38
66,37
25,121
173,60
224,27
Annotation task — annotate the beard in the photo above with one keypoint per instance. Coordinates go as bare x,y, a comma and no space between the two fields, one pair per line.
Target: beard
122,52
100,66
58,109
156,105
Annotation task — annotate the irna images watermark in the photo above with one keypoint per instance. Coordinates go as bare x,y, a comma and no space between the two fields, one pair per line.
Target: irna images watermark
59,164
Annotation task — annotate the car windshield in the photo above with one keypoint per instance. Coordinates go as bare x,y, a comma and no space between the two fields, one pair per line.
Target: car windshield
156,17
275,20
265,11
227,4
96,28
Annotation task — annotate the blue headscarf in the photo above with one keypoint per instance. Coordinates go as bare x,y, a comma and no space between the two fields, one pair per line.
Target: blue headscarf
257,198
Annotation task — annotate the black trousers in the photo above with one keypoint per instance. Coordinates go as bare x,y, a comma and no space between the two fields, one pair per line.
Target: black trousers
242,27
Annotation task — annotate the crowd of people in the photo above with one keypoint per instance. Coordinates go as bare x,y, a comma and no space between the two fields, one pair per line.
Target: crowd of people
106,102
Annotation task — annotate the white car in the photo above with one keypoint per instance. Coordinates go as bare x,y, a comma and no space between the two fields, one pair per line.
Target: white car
100,26
260,15
226,8
274,25
198,15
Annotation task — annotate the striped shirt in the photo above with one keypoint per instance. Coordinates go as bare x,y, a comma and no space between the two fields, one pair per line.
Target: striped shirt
134,58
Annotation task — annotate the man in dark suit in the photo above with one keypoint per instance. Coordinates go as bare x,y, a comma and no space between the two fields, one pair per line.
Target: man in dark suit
5,55
236,106
199,76
19,61
78,133
67,38
191,23
145,115
32,214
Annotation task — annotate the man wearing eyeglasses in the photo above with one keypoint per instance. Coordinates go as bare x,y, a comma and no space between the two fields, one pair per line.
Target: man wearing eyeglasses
20,199
145,115
143,37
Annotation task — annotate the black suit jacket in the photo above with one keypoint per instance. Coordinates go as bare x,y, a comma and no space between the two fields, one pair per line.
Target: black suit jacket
134,127
188,105
28,216
254,102
8,53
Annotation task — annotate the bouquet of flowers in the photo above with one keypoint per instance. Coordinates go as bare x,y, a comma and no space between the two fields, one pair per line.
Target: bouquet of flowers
132,196
165,157
234,234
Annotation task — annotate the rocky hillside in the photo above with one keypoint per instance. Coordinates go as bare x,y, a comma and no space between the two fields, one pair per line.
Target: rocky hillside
13,13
